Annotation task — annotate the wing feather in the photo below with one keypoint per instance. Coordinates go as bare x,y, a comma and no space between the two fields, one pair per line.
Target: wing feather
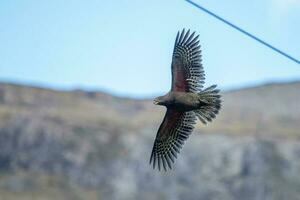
187,71
172,133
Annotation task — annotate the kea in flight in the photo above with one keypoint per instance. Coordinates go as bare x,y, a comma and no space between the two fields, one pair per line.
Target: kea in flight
186,101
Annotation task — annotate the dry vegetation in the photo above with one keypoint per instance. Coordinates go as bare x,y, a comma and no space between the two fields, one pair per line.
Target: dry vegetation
91,145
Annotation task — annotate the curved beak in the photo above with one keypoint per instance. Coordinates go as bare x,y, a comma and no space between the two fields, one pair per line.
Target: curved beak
155,102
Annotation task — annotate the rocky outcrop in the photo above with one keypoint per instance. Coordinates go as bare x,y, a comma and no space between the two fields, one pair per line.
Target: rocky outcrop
78,145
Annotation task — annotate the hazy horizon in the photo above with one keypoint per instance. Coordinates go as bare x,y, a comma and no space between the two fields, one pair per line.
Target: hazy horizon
125,49
116,94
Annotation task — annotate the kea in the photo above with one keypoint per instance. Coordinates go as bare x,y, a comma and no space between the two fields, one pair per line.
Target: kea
186,101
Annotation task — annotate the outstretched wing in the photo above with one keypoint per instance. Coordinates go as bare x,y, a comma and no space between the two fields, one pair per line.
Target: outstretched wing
187,70
172,133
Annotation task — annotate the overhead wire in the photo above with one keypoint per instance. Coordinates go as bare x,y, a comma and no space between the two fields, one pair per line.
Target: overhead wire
244,32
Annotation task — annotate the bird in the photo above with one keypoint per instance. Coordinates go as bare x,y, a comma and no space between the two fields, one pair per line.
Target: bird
185,102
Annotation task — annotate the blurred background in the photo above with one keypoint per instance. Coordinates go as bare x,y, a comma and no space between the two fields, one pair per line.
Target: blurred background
77,80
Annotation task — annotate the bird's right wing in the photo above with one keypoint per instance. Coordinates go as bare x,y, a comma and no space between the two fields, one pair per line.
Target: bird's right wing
187,70
172,133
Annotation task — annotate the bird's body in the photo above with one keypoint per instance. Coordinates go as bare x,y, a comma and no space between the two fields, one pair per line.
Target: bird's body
182,101
186,101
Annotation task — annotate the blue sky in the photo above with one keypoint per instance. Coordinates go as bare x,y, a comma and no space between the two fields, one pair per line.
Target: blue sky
125,46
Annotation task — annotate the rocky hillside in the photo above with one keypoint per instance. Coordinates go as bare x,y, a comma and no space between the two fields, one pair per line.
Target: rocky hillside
91,145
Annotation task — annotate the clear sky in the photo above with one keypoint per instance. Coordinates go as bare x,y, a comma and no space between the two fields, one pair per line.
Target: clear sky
125,46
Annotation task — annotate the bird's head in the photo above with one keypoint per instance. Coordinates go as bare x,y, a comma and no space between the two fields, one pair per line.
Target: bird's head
163,100
158,100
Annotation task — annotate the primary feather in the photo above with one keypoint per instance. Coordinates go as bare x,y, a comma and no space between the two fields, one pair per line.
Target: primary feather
187,70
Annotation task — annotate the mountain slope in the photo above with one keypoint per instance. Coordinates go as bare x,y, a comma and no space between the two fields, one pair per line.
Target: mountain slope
91,145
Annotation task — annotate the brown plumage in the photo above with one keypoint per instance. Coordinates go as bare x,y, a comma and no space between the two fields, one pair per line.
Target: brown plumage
184,102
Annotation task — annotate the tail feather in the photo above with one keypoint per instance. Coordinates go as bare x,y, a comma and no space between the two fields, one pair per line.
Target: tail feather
210,104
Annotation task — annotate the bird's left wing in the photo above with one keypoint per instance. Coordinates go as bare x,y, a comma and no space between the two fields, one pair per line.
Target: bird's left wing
172,133
187,70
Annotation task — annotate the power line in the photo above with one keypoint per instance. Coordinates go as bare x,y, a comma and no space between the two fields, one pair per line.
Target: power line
243,31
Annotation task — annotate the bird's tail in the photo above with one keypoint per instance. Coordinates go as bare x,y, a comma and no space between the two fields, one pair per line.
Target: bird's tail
210,101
